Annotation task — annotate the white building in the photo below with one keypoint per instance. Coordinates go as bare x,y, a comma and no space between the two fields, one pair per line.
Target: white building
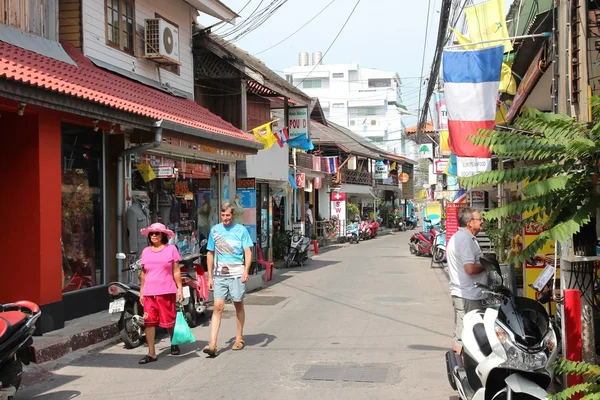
366,100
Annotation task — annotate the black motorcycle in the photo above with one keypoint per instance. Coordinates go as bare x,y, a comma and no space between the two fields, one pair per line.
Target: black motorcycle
125,299
17,323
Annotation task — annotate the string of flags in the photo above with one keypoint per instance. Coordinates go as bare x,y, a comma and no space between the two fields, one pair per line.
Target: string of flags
265,135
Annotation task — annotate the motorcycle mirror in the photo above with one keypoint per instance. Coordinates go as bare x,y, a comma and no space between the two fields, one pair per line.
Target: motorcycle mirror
121,256
491,264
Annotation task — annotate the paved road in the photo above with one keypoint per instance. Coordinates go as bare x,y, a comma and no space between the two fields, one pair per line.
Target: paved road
366,312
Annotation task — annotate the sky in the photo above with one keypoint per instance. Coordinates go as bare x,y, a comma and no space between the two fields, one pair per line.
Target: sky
383,34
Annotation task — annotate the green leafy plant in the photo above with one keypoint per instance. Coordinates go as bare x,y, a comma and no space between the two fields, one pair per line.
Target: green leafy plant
280,245
352,210
590,373
561,159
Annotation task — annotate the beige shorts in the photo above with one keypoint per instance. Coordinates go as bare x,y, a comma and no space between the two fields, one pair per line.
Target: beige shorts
462,307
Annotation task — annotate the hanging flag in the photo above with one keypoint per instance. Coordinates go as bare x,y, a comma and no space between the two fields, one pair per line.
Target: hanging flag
292,181
486,21
282,136
302,143
461,196
331,164
265,135
471,80
508,83
451,168
393,168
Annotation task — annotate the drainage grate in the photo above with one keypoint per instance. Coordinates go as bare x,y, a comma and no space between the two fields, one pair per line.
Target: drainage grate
347,374
263,300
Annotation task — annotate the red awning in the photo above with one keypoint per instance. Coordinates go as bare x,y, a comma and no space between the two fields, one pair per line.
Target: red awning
89,82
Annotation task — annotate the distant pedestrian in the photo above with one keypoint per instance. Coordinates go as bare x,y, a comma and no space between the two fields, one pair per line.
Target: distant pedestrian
229,258
309,220
465,269
160,286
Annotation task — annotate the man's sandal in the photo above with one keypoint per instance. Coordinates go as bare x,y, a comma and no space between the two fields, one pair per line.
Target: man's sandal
210,350
147,360
238,345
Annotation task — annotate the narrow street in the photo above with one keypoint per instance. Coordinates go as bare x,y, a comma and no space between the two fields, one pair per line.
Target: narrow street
370,305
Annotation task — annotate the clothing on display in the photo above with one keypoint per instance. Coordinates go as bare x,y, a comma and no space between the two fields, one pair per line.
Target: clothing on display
138,217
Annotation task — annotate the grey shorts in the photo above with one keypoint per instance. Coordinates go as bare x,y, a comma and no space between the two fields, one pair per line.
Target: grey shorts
462,307
229,287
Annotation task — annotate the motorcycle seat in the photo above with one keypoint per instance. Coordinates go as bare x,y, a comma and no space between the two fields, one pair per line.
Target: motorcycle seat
10,321
427,236
189,258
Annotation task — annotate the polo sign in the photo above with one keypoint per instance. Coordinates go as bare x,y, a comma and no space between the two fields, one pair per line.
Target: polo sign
426,150
338,211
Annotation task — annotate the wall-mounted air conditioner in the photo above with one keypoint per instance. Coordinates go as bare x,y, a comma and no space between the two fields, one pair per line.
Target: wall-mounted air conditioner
161,42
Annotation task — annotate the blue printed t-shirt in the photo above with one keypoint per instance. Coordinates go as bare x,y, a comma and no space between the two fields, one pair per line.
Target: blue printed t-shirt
228,244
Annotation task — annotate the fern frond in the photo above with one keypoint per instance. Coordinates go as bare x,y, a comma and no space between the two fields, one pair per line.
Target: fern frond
568,393
554,126
533,173
527,204
579,368
580,148
546,186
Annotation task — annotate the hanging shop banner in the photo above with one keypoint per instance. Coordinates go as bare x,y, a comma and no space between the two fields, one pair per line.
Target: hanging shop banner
440,165
452,211
338,211
245,198
298,122
381,170
469,166
164,172
432,211
301,180
426,150
318,182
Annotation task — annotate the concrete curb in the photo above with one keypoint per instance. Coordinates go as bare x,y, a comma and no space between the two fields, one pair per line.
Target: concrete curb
76,341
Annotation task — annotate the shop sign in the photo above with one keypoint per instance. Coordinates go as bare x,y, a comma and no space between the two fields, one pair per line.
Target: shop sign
403,177
338,211
245,183
469,166
164,172
477,196
452,211
440,165
298,121
318,183
381,170
245,199
426,150
442,112
301,180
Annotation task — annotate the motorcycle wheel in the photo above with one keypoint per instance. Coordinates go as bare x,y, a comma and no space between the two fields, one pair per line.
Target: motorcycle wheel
288,260
412,249
11,374
190,314
130,334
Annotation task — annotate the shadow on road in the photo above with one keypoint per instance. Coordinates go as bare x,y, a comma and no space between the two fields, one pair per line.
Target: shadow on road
253,340
35,390
61,395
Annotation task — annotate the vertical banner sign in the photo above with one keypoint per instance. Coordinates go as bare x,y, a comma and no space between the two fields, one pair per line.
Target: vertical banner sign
338,210
442,114
246,196
298,117
432,211
301,180
452,211
381,170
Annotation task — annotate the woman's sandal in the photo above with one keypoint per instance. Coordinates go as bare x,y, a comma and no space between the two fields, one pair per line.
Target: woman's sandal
147,360
210,350
175,350
238,345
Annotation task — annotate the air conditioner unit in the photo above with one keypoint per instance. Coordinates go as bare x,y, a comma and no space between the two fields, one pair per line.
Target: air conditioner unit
161,42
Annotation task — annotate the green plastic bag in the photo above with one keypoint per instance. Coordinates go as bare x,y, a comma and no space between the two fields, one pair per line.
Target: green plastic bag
182,333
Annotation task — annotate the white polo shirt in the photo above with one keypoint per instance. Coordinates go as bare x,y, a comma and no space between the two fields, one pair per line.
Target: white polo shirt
464,249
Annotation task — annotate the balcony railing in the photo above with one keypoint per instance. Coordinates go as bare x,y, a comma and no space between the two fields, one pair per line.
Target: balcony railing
356,177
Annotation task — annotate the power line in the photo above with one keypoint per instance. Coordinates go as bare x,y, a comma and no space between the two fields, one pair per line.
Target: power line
297,30
425,45
332,43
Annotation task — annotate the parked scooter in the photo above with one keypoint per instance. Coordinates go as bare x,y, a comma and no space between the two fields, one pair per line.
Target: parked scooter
421,243
17,323
352,232
364,230
508,348
298,250
195,285
438,249
411,222
375,225
125,299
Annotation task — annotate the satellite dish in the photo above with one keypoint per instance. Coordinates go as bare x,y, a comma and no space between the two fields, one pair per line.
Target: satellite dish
168,40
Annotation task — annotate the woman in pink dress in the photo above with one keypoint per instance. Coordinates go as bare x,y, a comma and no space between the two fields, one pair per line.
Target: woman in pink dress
160,286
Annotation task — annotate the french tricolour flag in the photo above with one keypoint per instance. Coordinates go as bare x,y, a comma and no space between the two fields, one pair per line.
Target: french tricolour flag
331,164
471,82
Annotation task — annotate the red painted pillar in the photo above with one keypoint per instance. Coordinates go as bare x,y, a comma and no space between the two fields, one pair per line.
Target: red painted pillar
572,333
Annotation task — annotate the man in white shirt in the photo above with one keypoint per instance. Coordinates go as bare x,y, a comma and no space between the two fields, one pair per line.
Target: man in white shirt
465,270
309,221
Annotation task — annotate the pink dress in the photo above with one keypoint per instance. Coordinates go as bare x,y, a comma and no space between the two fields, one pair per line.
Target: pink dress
159,270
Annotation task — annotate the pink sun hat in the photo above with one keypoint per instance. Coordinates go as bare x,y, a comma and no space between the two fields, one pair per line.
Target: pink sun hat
157,227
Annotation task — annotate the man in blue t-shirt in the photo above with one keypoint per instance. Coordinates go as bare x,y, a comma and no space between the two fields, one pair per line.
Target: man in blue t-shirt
228,259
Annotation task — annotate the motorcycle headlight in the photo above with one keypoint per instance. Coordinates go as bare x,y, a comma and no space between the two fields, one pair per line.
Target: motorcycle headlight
517,358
